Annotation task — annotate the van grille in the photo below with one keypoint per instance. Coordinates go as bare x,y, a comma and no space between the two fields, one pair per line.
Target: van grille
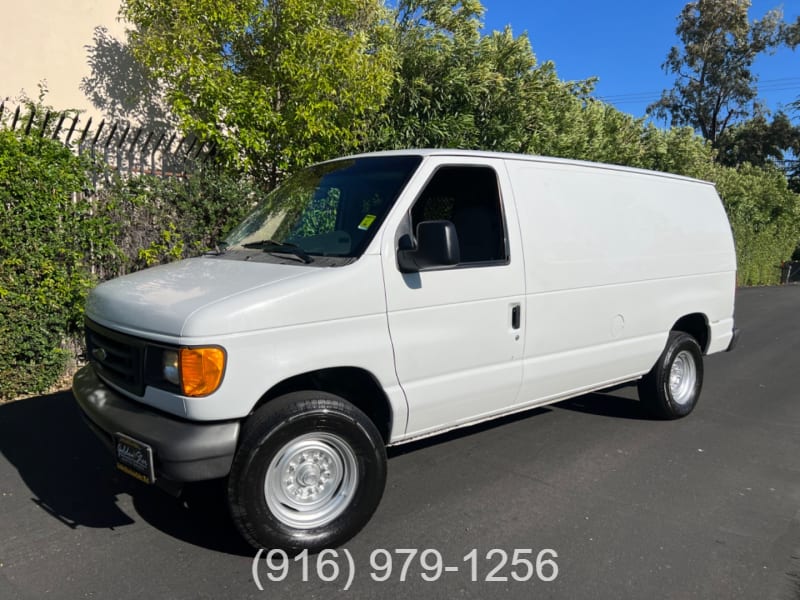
117,358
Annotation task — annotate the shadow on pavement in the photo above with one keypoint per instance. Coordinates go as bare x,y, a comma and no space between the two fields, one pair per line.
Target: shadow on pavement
607,405
462,432
72,477
603,404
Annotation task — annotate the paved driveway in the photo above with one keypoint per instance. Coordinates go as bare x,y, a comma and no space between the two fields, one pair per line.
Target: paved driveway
705,507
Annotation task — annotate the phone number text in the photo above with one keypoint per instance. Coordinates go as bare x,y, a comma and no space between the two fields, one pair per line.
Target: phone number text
404,564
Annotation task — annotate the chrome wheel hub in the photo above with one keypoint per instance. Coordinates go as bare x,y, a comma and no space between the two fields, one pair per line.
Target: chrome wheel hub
311,480
682,377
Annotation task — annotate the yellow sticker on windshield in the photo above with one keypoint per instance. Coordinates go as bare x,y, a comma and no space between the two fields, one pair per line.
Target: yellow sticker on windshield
366,222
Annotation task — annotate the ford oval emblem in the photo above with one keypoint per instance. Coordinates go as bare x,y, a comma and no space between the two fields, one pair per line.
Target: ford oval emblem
100,354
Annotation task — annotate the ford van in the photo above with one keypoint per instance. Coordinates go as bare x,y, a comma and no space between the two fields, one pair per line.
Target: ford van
381,298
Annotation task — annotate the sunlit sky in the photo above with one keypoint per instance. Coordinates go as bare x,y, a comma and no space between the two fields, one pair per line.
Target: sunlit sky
624,43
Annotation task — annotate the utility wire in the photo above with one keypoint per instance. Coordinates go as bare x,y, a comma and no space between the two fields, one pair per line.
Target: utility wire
781,84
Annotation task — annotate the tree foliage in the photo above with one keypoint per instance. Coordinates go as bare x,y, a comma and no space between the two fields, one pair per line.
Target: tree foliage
678,150
764,216
276,84
759,141
715,85
443,76
154,220
455,87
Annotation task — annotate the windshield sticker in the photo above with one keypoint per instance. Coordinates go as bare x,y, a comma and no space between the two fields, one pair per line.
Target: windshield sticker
366,222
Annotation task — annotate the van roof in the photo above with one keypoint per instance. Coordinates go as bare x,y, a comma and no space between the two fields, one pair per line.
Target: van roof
521,157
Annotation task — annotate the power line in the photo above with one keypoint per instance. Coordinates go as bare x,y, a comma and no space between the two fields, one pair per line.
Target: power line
780,84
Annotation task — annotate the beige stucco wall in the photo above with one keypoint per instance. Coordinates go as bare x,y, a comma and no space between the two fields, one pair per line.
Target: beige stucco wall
46,40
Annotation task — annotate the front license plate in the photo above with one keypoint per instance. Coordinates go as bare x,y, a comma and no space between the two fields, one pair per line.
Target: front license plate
134,458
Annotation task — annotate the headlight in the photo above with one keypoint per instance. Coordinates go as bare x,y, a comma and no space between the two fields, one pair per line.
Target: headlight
186,371
169,367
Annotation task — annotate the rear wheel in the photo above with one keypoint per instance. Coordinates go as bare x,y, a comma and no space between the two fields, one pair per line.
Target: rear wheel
309,473
672,387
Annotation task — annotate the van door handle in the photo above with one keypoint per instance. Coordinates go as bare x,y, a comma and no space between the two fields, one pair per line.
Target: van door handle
515,316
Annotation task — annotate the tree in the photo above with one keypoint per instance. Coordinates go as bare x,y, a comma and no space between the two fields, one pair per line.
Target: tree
791,34
677,150
715,86
455,87
758,141
438,77
277,84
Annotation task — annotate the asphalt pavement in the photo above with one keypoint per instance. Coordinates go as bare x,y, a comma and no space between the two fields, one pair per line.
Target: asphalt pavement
584,499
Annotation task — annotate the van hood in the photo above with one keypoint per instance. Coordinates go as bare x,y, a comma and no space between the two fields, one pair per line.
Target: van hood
163,299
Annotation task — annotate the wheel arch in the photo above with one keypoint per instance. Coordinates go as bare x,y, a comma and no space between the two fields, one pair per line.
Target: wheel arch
696,325
355,384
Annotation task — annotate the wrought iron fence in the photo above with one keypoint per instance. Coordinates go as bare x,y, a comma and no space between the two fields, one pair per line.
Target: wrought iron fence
790,272
125,148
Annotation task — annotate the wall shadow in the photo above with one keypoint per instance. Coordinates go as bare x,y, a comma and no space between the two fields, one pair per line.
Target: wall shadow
120,87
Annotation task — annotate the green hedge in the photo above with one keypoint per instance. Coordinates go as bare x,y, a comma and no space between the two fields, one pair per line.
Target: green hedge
154,220
47,231
58,239
765,218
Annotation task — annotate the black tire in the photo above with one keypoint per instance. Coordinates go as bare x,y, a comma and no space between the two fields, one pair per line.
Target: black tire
314,447
672,400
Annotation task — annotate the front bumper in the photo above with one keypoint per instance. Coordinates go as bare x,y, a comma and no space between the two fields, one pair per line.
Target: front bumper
182,450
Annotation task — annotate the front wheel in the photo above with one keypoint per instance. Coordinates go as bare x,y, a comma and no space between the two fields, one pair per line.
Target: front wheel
672,387
308,474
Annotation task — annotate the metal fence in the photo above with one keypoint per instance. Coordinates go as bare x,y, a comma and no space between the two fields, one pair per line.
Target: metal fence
124,148
790,272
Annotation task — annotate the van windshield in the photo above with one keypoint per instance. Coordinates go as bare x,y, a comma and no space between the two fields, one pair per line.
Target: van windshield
331,209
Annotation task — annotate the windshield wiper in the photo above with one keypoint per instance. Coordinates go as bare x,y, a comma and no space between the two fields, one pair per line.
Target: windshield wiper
287,247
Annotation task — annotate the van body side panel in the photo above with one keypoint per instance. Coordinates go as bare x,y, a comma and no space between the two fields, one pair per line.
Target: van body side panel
610,335
613,260
589,226
337,319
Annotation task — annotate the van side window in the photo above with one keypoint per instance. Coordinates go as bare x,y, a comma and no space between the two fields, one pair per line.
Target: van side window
468,197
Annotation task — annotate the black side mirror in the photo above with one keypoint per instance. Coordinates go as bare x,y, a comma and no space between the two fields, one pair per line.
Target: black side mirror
437,246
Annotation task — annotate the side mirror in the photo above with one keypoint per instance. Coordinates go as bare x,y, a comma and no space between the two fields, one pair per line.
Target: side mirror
437,246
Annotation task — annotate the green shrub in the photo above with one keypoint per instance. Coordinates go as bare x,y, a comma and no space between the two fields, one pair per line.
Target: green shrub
57,239
46,236
154,220
765,218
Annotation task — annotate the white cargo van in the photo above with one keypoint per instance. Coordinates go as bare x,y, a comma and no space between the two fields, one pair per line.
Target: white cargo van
380,298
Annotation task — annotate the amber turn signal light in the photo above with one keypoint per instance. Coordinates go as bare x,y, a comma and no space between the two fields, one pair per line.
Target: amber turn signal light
201,370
